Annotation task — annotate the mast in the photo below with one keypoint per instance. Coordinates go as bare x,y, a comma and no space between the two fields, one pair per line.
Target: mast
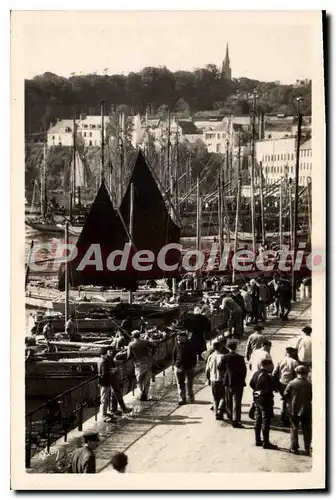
177,205
280,217
102,143
309,210
252,173
28,262
236,231
262,209
296,198
290,215
198,226
131,227
225,207
74,162
66,277
44,184
220,212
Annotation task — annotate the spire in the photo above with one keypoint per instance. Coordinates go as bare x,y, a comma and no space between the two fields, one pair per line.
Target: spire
226,70
227,58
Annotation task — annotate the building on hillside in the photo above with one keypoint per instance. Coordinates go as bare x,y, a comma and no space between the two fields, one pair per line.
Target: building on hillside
88,128
222,137
61,134
226,68
208,121
243,120
278,158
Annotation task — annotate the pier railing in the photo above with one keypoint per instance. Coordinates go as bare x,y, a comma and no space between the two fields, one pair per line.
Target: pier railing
57,417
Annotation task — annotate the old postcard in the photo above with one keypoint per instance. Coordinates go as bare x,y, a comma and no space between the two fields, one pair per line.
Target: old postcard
168,250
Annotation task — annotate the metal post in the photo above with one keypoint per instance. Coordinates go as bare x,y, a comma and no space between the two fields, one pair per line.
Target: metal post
309,210
236,231
296,197
290,216
131,227
225,208
66,278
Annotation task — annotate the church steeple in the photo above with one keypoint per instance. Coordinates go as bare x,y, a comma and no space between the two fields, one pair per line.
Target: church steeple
226,70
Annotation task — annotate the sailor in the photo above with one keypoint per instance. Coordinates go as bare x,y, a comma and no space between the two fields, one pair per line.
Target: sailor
304,347
70,328
140,352
254,341
232,313
116,387
184,362
200,327
298,396
48,331
83,460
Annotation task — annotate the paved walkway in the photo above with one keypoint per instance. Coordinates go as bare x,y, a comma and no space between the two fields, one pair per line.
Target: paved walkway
159,436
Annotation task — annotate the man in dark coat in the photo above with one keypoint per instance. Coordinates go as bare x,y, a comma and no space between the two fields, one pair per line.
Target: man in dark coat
200,327
234,382
285,296
255,301
263,386
83,460
298,396
184,362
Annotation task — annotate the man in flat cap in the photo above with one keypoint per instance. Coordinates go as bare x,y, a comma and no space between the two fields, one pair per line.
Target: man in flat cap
304,347
254,341
184,362
140,352
298,396
234,383
284,372
83,460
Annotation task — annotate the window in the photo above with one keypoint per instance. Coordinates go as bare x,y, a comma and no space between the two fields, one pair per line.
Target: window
218,147
291,169
292,156
269,158
90,143
67,129
95,143
223,135
85,126
218,137
277,169
84,134
93,126
53,137
282,157
280,170
60,144
278,157
98,126
90,134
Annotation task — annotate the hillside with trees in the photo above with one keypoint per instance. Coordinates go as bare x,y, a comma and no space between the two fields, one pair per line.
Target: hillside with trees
49,97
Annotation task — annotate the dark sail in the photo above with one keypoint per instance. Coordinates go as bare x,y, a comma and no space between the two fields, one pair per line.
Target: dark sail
153,227
104,229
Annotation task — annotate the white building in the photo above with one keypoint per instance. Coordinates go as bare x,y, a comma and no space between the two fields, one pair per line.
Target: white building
278,158
88,127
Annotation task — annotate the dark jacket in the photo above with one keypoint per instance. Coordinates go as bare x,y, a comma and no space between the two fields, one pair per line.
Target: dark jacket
104,371
234,370
240,301
83,461
298,396
263,386
255,294
184,355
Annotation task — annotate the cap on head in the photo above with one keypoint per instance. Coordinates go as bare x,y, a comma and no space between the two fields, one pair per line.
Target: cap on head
103,351
136,334
307,330
265,362
91,436
301,370
232,345
258,328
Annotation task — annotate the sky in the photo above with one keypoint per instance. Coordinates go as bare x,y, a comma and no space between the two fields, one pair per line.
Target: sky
272,46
